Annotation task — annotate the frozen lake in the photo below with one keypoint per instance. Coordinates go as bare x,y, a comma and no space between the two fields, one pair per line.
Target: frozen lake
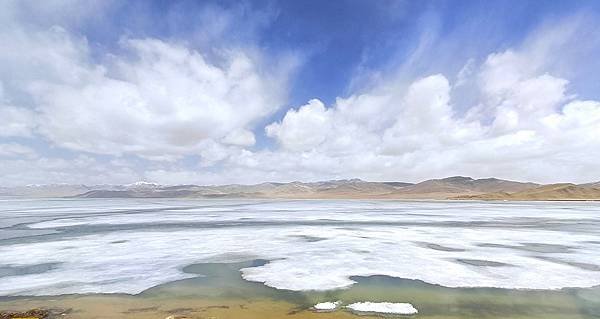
61,246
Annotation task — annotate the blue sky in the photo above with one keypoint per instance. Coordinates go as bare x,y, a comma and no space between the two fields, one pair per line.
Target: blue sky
247,91
336,38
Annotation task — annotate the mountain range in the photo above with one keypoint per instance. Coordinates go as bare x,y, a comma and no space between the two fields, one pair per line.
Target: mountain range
456,187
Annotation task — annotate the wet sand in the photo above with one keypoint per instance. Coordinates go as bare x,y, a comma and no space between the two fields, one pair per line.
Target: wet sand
220,292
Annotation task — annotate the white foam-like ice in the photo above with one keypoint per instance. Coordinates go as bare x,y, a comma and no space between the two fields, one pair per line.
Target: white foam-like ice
327,306
384,307
313,256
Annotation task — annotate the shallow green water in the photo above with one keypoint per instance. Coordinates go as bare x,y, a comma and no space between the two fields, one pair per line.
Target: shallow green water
224,281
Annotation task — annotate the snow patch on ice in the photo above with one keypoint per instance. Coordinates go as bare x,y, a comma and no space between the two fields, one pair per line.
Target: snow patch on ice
384,307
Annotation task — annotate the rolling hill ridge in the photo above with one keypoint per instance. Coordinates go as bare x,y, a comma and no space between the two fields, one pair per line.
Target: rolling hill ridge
455,187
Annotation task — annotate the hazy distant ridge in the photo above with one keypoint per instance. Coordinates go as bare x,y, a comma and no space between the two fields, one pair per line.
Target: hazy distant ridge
456,187
564,191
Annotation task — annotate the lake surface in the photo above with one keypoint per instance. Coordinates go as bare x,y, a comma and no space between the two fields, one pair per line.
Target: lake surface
450,259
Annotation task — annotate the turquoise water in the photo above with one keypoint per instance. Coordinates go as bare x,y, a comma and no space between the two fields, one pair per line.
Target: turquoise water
224,281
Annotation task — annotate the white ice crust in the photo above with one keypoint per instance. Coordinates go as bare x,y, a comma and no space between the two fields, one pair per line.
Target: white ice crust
384,307
312,245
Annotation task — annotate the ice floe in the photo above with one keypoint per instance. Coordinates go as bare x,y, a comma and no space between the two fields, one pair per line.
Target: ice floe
327,306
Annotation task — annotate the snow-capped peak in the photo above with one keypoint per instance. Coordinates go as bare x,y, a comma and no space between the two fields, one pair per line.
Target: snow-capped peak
143,184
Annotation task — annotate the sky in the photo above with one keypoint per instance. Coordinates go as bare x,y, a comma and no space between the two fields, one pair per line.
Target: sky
219,92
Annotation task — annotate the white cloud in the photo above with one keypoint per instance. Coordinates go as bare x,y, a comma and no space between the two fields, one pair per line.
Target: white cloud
576,129
156,99
23,170
167,99
302,129
516,92
14,150
239,137
16,121
525,127
167,102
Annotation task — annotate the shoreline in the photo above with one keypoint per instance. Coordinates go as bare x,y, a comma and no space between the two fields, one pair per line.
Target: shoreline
288,291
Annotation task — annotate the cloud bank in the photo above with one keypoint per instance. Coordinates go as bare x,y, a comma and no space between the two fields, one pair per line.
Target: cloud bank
171,112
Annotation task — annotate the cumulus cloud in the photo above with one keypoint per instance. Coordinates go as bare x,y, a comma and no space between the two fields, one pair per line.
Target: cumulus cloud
155,105
167,100
302,129
525,119
157,98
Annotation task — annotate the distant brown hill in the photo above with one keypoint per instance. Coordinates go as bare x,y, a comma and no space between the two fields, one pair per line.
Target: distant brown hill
593,185
453,186
456,187
565,191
